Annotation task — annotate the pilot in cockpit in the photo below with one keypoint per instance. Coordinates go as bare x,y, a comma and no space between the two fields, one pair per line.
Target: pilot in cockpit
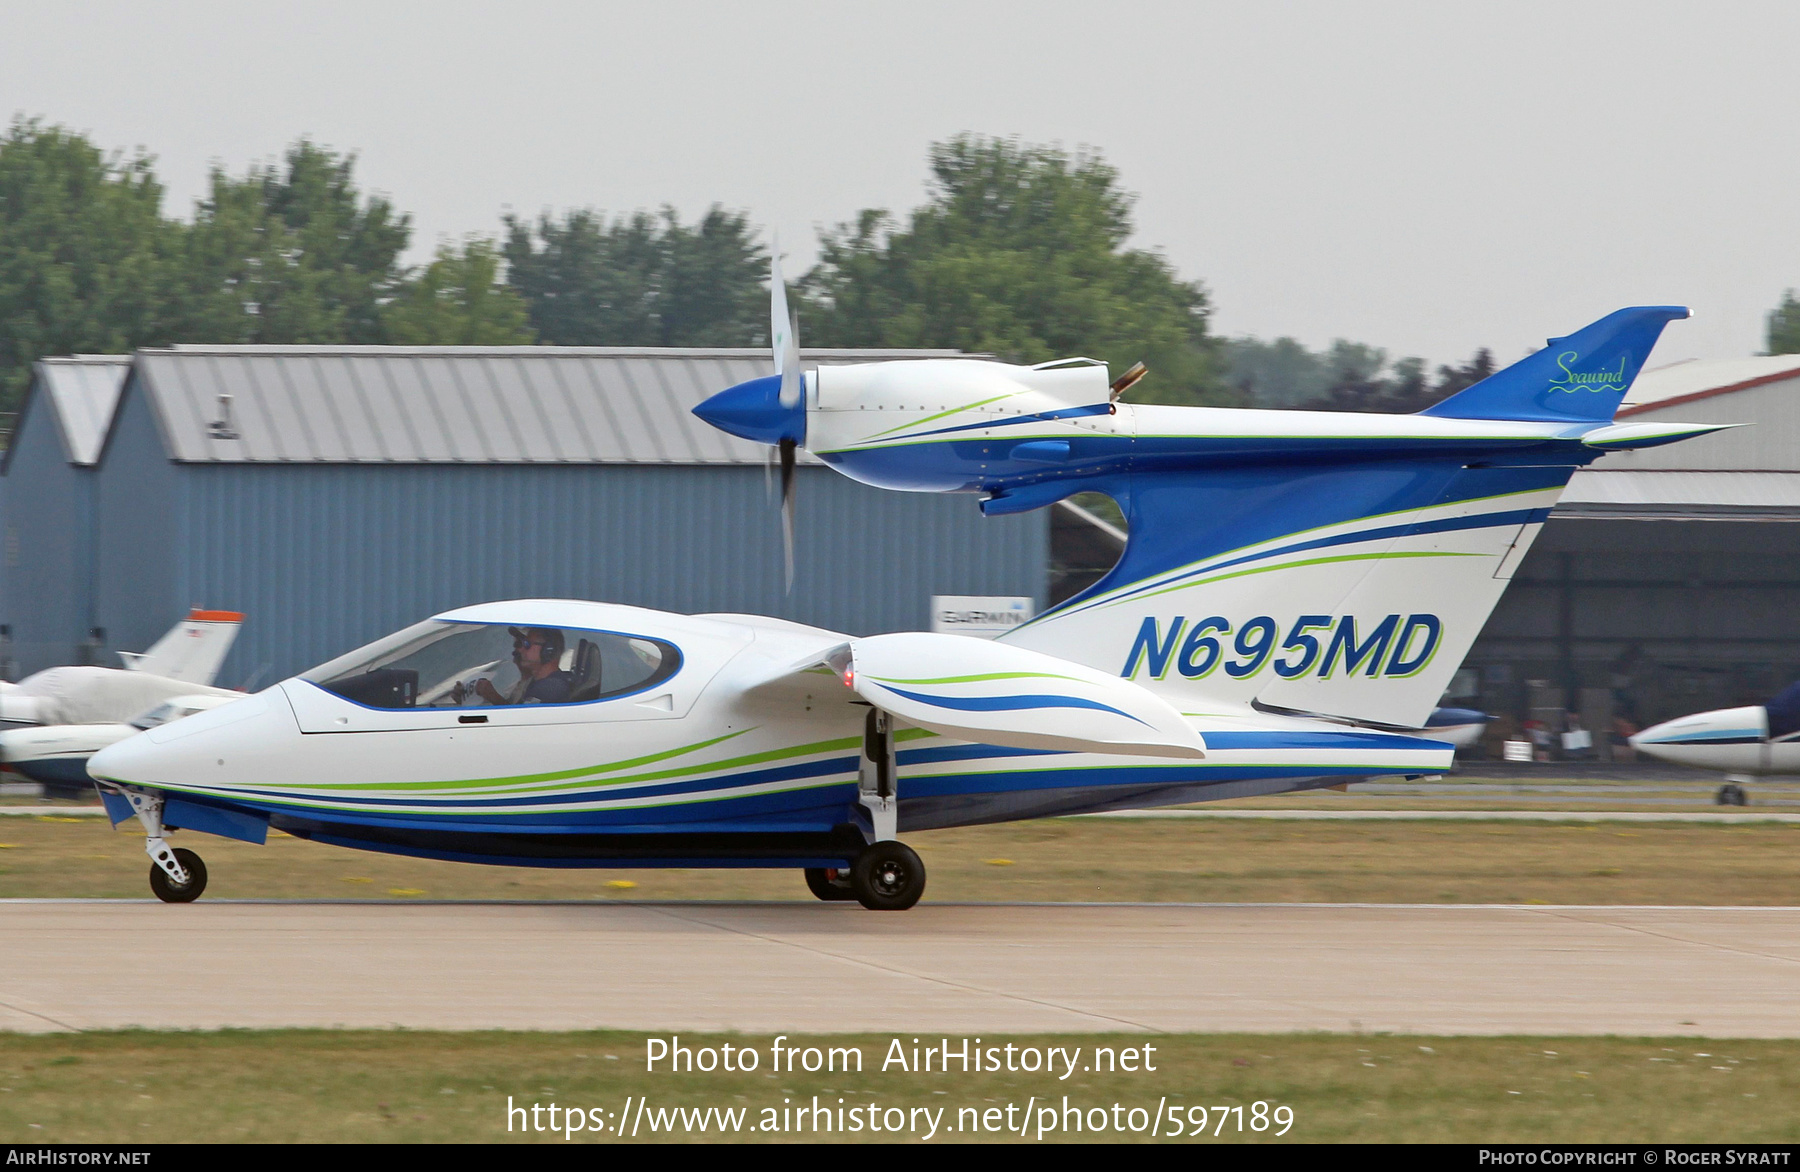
537,652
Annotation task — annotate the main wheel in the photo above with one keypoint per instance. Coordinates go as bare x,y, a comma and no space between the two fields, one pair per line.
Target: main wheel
888,877
1732,794
830,884
168,890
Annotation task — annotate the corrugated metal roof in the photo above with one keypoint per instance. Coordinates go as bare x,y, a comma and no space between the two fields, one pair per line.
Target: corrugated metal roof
83,390
1684,380
454,404
1659,495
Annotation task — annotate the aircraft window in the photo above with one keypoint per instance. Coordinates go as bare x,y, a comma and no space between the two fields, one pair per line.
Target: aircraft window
485,665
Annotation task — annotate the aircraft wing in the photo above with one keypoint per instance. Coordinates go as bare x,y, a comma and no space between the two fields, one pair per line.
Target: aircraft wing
997,694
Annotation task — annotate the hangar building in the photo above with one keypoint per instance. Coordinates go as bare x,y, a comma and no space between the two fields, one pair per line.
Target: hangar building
47,548
336,494
1667,581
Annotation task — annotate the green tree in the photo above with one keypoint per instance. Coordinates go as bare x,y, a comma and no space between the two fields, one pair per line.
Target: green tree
1784,326
291,253
1021,252
459,300
83,251
640,280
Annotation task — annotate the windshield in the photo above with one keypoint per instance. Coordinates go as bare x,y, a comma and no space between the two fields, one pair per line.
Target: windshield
483,665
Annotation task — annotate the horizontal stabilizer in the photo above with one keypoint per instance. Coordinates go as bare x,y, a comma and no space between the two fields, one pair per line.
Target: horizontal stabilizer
1627,437
997,694
1578,379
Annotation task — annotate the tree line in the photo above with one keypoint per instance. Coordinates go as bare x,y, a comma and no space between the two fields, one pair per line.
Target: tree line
1020,251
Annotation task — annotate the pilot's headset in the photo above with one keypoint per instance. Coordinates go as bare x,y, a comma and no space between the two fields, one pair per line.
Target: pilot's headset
553,645
550,637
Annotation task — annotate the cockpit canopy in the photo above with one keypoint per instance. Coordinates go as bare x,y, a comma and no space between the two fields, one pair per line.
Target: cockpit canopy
437,664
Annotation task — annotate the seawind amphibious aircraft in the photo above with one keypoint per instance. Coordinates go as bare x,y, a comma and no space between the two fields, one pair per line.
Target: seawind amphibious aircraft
1296,587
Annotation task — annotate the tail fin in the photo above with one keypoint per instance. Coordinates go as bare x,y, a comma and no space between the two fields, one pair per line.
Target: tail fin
1578,379
192,650
1351,590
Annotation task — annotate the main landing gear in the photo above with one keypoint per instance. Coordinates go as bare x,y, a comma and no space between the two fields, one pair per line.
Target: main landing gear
888,876
176,875
1732,793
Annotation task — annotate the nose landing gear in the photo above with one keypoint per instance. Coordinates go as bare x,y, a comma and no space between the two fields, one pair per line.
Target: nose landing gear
176,875
1732,793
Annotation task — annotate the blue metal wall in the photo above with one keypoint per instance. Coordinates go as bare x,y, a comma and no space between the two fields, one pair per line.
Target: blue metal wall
322,558
46,543
139,525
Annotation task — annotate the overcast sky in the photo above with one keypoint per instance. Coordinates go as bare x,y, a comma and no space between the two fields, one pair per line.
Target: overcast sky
1426,177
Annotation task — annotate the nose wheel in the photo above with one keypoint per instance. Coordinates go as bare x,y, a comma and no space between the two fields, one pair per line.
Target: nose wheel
168,889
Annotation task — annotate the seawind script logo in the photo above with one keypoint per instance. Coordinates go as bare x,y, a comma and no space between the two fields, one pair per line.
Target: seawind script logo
1316,643
1593,380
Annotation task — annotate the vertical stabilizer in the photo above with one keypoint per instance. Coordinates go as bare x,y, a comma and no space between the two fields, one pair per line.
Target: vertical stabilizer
193,649
1578,379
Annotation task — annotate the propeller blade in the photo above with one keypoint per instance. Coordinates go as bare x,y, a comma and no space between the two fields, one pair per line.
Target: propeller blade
781,332
787,510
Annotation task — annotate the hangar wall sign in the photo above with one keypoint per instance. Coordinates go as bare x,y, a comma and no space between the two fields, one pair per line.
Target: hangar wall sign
984,617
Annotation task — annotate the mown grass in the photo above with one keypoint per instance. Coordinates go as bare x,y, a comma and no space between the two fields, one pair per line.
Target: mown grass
363,1086
1050,860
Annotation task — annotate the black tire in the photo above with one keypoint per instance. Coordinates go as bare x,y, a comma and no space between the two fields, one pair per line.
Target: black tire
831,884
1732,794
168,890
888,877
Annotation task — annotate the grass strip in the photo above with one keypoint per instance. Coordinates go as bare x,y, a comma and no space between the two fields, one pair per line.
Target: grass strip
400,1086
1049,860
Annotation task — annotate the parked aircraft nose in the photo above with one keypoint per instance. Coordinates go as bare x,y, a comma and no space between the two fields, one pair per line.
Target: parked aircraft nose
228,746
1727,738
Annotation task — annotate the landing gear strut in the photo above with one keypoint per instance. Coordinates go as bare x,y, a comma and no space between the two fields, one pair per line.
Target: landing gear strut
888,876
176,876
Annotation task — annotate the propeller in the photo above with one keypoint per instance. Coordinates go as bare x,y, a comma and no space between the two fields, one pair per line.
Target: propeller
771,410
784,341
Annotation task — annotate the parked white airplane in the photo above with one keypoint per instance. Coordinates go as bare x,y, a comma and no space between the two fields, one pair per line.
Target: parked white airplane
54,720
183,661
1759,740
1295,586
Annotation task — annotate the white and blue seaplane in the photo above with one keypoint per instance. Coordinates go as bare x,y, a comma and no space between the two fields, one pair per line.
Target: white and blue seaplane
1296,590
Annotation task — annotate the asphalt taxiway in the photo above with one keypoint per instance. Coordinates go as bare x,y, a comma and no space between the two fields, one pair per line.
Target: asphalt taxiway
813,968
